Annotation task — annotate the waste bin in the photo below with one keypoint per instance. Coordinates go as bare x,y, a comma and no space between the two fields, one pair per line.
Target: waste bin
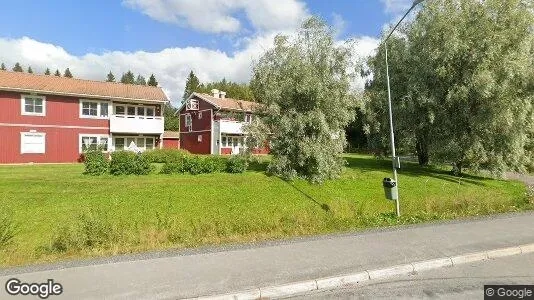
390,189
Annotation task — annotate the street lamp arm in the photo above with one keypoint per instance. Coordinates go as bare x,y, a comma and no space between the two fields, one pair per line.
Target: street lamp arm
415,3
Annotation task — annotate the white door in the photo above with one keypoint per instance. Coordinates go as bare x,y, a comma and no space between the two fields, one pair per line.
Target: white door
236,145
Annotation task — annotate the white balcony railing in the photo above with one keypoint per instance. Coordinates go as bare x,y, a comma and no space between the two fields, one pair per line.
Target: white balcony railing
231,126
135,124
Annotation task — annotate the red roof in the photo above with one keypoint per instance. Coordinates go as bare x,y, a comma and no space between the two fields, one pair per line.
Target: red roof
228,103
55,85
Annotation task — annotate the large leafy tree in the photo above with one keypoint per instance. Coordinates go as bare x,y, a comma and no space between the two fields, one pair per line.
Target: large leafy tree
304,84
462,83
191,85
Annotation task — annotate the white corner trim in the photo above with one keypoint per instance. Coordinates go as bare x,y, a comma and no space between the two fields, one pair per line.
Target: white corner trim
23,108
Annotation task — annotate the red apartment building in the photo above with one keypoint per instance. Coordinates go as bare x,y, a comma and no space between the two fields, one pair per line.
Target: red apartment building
213,124
49,119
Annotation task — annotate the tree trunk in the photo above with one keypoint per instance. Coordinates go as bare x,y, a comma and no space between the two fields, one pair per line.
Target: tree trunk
457,169
422,152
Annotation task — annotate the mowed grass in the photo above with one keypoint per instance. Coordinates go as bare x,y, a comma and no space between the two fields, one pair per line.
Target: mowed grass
177,211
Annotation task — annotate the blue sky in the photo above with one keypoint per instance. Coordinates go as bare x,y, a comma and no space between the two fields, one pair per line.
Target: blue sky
170,37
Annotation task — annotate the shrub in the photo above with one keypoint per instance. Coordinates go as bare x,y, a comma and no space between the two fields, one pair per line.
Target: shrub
165,155
127,162
173,167
193,165
95,162
211,164
8,230
236,164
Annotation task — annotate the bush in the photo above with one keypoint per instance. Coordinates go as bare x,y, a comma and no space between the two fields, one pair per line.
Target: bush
194,165
8,230
236,164
95,162
214,164
165,155
173,167
127,162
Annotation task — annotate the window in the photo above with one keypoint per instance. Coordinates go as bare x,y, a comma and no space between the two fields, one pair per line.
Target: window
200,115
131,110
93,109
119,143
149,142
33,105
192,104
188,122
149,111
32,142
93,142
119,110
199,138
140,111
140,142
223,143
248,118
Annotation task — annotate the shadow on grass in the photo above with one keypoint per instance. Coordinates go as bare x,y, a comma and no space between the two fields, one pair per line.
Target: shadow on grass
323,206
411,169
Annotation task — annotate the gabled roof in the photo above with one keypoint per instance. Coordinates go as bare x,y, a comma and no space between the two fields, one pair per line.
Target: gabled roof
227,103
55,85
171,134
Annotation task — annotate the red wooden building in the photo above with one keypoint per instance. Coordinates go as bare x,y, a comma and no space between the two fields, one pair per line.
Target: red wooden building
171,140
213,124
49,119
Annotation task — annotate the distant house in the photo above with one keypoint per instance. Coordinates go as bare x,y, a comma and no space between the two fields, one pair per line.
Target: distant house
49,119
171,140
213,124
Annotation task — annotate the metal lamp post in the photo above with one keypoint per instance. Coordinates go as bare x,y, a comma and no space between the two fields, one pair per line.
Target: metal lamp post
394,158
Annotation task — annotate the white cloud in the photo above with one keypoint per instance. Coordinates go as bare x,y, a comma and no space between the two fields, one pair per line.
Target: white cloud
170,66
219,16
396,6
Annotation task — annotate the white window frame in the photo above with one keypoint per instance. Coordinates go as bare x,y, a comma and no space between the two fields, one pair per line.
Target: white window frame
192,104
42,134
248,118
188,125
134,137
98,109
136,107
23,105
98,136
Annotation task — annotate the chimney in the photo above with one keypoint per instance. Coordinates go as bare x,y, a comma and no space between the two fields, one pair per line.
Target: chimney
223,94
215,93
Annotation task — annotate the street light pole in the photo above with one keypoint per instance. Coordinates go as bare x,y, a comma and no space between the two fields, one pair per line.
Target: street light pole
394,159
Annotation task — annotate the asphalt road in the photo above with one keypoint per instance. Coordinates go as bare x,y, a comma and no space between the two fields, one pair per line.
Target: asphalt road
459,282
222,270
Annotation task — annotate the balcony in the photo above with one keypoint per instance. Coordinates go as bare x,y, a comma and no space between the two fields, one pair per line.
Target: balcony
228,126
135,124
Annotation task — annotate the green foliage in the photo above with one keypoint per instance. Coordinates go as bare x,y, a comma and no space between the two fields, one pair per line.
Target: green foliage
165,155
462,79
140,80
57,73
110,77
95,162
305,86
237,164
2,67
67,73
8,229
90,230
128,163
195,164
47,71
152,80
170,119
241,91
17,68
191,85
30,70
173,167
128,78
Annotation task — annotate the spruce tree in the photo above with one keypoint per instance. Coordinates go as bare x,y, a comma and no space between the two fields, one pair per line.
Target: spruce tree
191,85
57,73
3,67
67,73
17,68
47,71
30,70
111,77
128,78
152,80
140,80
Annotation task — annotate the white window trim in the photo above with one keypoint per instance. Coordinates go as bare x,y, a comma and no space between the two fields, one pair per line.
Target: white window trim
136,106
99,136
42,134
190,126
98,108
23,107
133,137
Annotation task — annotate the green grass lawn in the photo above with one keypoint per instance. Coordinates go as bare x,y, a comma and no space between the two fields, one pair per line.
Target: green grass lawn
176,211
